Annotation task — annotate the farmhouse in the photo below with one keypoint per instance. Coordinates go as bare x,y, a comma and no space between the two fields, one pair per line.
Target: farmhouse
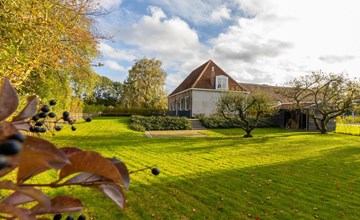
199,92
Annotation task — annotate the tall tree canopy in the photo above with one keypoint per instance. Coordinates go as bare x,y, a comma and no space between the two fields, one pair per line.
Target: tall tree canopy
48,42
144,87
107,93
323,96
245,110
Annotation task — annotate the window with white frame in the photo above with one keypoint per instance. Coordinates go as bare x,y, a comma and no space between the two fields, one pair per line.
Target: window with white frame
181,104
222,82
177,104
187,103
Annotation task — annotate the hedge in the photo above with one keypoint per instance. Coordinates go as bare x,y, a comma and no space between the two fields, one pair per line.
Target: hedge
353,129
149,123
218,121
348,120
122,111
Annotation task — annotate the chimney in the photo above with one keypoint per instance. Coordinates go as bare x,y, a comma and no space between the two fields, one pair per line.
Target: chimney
212,77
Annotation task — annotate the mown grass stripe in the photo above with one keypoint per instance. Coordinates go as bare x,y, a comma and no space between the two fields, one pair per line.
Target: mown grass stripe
225,176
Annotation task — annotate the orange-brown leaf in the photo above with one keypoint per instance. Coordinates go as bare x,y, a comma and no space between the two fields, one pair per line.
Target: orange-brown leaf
36,194
20,213
92,162
70,150
114,192
37,156
12,164
124,172
18,198
7,184
29,110
86,178
24,126
60,204
6,129
9,100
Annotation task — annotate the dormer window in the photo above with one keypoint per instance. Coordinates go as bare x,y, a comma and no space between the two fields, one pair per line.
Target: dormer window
222,82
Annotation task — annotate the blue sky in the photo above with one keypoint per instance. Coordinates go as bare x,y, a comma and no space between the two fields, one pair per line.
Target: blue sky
259,41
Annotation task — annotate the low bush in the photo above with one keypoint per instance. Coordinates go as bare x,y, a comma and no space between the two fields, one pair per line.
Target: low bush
348,129
93,109
218,121
215,121
348,120
122,111
159,123
137,127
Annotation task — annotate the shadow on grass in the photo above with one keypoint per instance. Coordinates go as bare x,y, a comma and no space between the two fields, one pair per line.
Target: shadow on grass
208,144
259,132
325,187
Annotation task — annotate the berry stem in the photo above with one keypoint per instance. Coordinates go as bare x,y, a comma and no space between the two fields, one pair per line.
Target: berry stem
55,185
48,128
135,171
20,122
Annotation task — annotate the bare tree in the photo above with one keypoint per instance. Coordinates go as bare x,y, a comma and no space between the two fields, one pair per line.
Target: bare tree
323,96
245,110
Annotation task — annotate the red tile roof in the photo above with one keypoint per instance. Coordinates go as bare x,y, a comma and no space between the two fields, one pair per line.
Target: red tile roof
201,78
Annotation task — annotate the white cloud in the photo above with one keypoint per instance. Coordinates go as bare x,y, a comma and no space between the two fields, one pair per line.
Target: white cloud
169,39
114,65
222,13
254,7
336,58
267,41
108,51
283,39
200,12
108,4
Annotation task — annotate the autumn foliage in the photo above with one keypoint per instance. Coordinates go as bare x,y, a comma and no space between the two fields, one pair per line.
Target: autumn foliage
26,200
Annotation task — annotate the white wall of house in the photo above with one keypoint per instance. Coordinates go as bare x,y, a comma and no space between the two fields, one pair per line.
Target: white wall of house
204,101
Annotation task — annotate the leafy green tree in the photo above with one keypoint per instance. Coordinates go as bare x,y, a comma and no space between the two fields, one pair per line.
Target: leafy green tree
48,42
245,110
144,87
107,93
323,96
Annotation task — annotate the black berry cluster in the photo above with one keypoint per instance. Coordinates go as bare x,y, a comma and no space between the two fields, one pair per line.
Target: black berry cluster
39,120
155,171
70,217
11,146
45,120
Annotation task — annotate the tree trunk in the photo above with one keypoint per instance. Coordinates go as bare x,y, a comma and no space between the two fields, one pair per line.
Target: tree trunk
323,128
248,133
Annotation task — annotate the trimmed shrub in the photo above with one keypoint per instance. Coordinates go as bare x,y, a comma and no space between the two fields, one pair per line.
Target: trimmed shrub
93,109
122,111
159,123
348,129
137,127
218,121
348,120
215,121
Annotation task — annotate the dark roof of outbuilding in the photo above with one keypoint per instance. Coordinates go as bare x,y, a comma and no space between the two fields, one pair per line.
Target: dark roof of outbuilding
271,91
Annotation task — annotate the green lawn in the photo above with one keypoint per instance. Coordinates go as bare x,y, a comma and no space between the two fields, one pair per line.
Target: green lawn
278,174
